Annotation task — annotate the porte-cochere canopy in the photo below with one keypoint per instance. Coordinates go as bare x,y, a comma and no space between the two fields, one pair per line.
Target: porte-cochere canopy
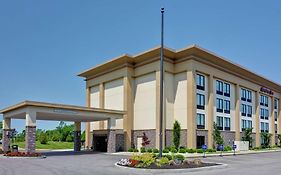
32,111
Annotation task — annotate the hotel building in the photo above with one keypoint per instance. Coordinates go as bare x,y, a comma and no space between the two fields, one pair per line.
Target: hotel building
200,88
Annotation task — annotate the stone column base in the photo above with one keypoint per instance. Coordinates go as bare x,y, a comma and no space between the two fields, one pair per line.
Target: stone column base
6,140
30,139
77,140
111,141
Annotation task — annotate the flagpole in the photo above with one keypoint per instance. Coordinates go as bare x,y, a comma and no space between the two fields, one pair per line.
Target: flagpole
161,84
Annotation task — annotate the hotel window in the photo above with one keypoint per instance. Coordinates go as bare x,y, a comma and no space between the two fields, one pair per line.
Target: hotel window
219,105
227,106
246,124
219,85
249,96
264,101
262,127
226,89
266,127
200,121
220,122
200,101
244,110
264,114
275,128
275,116
227,124
249,111
275,103
243,94
200,82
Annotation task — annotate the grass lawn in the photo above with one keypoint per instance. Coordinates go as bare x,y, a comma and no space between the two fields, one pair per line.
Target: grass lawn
49,145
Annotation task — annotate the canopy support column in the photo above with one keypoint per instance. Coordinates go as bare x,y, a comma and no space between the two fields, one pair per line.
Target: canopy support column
77,136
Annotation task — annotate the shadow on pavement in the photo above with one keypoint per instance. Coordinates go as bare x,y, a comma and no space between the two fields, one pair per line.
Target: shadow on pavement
69,153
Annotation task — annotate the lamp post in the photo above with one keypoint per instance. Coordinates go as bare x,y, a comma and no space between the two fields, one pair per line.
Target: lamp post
161,84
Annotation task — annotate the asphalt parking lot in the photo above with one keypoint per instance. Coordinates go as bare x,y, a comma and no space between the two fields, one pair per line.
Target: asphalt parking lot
103,164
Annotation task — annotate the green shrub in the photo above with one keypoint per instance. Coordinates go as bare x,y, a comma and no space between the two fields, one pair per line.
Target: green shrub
136,150
191,150
168,156
176,134
155,150
166,150
174,150
144,159
182,150
149,150
156,156
163,161
179,157
131,150
43,138
142,150
199,150
227,148
211,150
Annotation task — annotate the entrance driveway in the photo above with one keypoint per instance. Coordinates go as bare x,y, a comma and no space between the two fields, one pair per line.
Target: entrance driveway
103,164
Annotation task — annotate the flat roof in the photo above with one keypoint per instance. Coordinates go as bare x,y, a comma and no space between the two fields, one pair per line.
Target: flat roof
60,112
193,50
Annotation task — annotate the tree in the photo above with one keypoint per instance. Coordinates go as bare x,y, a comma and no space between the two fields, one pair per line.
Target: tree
266,137
217,135
248,136
176,134
43,137
145,140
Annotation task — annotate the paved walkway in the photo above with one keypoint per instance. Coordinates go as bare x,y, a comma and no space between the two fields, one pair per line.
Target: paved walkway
103,164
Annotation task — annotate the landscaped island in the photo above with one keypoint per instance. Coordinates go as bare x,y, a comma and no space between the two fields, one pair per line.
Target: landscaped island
153,161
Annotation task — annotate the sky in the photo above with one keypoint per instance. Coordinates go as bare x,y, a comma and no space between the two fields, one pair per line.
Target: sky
45,44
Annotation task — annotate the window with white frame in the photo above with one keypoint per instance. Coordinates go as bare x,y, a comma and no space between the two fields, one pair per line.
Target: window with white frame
219,85
200,101
227,89
249,111
243,94
219,105
200,121
220,122
200,79
244,110
227,106
227,124
249,96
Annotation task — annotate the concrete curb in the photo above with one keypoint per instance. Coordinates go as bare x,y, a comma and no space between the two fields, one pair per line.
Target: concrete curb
219,166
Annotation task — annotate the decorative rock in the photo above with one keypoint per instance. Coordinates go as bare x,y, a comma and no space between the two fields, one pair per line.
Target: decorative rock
186,162
197,162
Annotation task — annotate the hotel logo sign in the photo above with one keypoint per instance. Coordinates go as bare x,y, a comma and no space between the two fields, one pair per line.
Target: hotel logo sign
267,91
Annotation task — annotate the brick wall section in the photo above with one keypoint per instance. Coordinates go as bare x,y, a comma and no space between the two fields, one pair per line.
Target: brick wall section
228,137
30,139
77,140
169,137
151,135
5,140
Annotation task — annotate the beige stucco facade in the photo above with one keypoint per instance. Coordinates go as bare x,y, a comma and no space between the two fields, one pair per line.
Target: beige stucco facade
131,83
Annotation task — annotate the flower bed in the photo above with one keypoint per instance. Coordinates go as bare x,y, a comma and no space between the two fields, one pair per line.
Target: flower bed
22,154
151,161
